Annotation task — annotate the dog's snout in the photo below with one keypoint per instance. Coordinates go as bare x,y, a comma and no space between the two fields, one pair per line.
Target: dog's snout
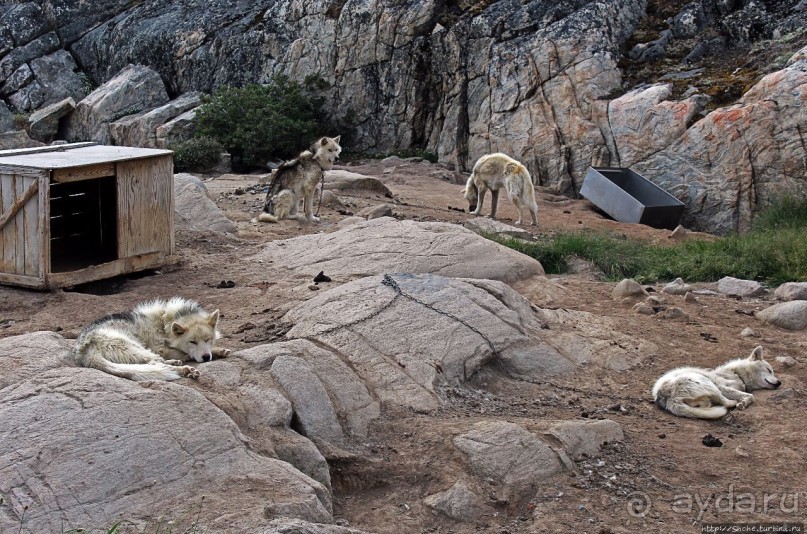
777,384
207,357
472,207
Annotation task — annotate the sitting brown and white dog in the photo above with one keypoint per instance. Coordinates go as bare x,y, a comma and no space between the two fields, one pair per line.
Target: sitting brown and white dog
297,179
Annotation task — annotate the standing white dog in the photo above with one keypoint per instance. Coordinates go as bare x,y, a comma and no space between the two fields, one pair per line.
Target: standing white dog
711,393
493,172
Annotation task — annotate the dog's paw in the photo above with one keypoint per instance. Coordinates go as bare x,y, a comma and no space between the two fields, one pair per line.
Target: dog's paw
190,372
313,219
518,222
743,404
174,362
221,353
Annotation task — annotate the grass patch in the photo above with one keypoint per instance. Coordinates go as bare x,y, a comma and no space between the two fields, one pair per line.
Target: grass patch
774,252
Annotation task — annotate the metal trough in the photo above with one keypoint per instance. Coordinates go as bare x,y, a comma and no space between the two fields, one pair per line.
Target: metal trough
631,198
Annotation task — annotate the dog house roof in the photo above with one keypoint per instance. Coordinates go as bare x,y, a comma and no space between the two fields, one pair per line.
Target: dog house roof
75,155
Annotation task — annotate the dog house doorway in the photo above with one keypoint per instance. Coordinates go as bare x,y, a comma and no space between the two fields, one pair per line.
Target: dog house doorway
82,224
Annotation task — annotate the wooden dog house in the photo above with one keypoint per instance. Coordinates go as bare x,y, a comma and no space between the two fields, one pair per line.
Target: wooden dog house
81,212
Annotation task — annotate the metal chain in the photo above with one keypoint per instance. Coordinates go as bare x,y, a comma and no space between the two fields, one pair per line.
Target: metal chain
368,317
388,281
392,283
321,190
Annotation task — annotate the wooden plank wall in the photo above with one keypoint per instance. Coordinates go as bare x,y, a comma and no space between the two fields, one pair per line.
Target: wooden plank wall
145,206
20,238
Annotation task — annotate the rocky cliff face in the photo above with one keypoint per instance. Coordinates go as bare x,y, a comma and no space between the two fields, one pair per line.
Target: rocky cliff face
533,79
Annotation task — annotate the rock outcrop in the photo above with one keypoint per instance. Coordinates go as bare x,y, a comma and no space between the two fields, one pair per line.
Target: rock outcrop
132,90
530,79
738,157
387,245
141,129
195,210
84,449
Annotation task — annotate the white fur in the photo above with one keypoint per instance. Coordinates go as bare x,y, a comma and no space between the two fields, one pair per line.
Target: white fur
710,393
496,171
152,342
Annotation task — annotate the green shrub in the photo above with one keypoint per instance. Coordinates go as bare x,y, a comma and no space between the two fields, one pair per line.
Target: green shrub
20,121
257,123
196,155
775,251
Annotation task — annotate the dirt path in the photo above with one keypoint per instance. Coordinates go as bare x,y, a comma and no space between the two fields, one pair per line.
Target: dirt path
409,456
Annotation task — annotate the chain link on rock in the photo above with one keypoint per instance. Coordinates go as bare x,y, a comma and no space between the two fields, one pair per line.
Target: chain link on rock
390,282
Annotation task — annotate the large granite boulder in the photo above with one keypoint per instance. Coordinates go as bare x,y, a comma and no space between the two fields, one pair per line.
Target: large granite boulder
388,245
738,157
132,90
44,123
141,128
439,332
48,80
180,128
195,210
84,449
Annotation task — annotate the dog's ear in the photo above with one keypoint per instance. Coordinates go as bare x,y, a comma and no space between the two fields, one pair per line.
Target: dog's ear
336,139
177,329
756,354
323,141
213,319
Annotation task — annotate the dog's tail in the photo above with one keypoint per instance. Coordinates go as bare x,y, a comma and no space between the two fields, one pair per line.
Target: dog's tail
143,371
90,350
267,217
134,371
685,410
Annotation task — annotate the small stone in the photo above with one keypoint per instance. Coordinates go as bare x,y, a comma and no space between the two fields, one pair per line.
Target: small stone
673,312
628,288
711,441
748,332
662,435
739,288
783,395
654,301
679,232
690,297
643,309
321,277
739,451
677,287
787,361
313,287
376,212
